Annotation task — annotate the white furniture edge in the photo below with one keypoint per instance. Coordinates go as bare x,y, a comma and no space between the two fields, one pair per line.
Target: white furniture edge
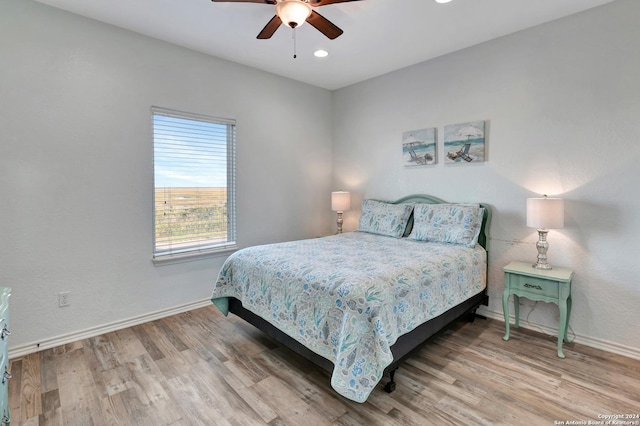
52,342
604,345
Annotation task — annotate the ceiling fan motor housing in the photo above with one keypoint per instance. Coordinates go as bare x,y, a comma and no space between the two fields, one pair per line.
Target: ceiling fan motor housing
293,12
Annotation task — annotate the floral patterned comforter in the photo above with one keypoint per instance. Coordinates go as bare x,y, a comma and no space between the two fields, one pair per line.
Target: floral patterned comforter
348,297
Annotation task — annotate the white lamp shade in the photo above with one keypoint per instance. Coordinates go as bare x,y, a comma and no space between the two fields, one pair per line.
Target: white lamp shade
293,13
545,213
340,201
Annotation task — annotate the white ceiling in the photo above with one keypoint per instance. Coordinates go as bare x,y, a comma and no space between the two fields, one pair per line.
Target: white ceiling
379,35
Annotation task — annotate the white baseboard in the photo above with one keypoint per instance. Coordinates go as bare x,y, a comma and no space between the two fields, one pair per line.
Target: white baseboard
52,342
604,345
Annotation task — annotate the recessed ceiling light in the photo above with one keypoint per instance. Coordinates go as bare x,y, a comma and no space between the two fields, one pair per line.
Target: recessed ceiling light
443,1
320,53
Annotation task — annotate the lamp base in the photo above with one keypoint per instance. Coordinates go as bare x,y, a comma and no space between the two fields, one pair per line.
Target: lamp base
339,222
542,245
538,265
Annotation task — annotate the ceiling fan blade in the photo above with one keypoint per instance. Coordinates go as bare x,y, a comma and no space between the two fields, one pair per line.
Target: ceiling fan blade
323,25
270,28
326,2
246,1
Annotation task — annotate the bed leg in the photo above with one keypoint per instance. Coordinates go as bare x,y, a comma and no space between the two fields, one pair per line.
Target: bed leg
391,385
471,317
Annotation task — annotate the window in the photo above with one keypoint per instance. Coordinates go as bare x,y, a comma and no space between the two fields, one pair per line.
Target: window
194,184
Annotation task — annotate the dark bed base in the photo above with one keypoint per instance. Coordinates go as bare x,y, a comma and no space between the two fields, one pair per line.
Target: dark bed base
404,346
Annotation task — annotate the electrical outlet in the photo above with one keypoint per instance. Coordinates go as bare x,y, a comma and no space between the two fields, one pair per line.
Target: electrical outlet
64,299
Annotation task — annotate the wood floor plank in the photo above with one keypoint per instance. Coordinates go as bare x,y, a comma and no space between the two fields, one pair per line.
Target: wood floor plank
50,418
134,409
117,380
31,401
48,377
149,345
50,400
434,388
148,380
255,401
34,421
114,410
191,404
104,355
172,359
78,393
127,344
169,331
222,390
201,368
291,409
15,388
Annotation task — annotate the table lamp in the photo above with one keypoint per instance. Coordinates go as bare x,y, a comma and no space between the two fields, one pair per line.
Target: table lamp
340,202
544,214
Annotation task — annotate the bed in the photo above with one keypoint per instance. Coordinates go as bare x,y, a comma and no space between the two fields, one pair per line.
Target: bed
357,304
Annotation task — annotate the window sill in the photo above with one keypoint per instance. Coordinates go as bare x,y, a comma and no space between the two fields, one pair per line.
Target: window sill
169,259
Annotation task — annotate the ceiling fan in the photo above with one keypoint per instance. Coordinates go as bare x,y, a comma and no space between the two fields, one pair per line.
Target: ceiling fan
294,13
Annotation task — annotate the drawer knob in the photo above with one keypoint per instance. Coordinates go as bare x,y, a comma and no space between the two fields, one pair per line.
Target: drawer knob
537,287
6,376
5,332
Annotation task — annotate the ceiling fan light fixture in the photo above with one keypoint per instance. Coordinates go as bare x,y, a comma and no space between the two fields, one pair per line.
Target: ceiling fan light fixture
293,13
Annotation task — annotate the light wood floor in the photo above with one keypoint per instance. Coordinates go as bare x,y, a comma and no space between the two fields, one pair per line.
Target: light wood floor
200,368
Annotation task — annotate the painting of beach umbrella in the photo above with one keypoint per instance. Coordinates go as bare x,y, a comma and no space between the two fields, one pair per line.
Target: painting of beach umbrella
419,147
464,143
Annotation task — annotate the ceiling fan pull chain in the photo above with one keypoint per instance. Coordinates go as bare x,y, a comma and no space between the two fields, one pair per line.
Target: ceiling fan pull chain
294,43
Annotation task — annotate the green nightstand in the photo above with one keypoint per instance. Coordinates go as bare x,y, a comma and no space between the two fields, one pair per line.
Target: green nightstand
553,285
5,293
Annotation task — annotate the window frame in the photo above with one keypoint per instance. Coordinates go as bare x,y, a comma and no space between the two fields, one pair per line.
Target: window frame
198,250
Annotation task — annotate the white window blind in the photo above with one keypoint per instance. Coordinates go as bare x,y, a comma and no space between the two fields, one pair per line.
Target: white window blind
194,183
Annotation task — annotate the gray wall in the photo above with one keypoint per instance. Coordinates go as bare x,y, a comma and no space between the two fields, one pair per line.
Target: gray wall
76,166
562,102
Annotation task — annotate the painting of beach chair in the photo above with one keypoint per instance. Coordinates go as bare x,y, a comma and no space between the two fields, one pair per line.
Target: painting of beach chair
419,147
465,142
415,158
463,153
418,159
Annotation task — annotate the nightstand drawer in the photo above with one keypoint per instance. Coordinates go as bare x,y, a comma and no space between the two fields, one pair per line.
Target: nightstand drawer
534,286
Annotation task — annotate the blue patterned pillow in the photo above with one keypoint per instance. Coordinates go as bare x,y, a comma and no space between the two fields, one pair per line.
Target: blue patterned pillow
447,223
382,218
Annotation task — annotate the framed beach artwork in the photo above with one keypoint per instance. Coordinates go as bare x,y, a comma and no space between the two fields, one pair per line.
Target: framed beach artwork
464,143
419,147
